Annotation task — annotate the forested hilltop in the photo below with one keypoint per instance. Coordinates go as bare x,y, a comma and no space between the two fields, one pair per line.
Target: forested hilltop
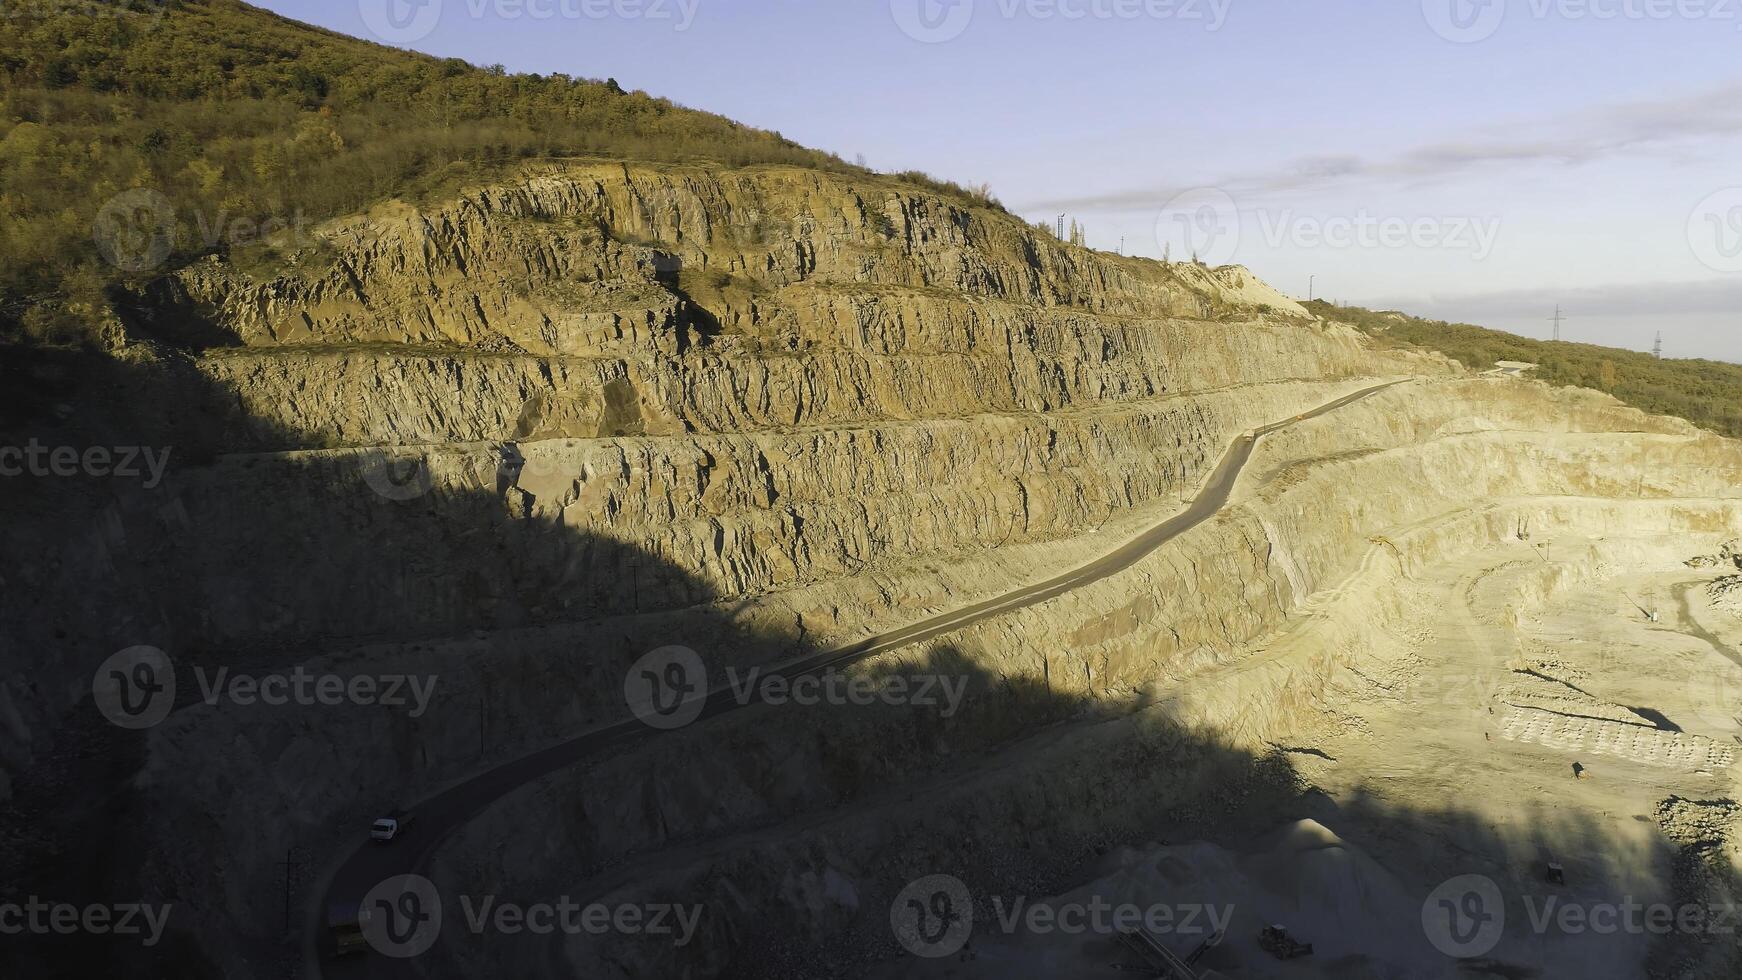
1706,393
244,118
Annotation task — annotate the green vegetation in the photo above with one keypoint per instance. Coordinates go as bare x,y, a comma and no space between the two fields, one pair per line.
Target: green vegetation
252,127
1706,393
249,124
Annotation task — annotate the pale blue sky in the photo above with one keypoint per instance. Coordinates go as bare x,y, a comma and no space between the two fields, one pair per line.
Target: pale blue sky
1566,151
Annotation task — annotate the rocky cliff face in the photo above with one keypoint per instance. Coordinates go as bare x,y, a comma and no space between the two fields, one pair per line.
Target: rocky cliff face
582,259
515,441
812,379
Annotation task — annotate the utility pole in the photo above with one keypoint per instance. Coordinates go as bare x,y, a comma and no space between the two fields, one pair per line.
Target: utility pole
1657,351
1558,319
289,869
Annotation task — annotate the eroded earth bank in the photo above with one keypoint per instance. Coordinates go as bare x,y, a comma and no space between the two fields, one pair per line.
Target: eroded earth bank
1467,636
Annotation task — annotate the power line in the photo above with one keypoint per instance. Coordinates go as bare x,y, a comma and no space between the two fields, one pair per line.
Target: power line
1558,319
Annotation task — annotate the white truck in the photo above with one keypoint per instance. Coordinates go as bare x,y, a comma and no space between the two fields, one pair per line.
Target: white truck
390,828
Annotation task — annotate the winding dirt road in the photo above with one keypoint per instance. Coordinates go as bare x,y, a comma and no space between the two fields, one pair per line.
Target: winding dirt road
439,817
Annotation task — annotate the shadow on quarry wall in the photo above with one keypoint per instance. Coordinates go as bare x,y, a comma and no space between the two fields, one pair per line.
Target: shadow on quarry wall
238,565
258,566
810,890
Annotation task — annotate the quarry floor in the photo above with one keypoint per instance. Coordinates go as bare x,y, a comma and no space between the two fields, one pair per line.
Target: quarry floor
1452,755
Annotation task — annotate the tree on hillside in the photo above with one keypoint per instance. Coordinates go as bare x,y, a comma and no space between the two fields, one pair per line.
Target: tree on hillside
229,112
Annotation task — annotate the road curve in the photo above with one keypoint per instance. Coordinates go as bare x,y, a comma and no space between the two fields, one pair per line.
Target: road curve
440,816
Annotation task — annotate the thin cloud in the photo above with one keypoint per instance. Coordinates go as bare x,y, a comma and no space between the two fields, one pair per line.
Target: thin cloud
1722,296
1600,133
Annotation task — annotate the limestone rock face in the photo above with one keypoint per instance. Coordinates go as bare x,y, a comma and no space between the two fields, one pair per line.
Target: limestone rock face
517,439
575,259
